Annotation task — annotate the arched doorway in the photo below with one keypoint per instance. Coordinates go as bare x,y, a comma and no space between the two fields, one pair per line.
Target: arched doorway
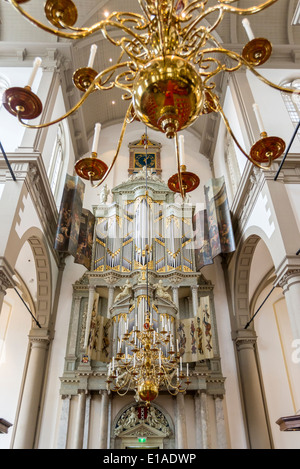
139,427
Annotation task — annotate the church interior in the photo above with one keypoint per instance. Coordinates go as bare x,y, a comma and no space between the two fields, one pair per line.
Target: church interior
149,241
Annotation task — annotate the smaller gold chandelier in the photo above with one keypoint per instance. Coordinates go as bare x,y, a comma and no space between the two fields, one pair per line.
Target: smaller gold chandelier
148,364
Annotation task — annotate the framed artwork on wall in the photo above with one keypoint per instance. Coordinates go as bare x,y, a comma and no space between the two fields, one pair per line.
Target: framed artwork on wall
144,152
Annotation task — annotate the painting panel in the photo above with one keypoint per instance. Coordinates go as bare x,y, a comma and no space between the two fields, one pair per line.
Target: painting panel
219,220
85,240
202,249
68,226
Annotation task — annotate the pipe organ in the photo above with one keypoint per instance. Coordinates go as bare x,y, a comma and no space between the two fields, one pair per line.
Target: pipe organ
144,231
143,260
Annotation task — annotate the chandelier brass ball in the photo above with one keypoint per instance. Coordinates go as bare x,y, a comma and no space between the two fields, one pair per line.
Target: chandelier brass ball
168,94
148,390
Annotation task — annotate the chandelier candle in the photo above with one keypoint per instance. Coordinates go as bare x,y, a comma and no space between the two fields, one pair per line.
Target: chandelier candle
96,138
248,29
181,150
36,64
92,56
258,118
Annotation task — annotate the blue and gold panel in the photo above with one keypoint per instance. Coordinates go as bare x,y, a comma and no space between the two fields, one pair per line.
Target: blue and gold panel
144,152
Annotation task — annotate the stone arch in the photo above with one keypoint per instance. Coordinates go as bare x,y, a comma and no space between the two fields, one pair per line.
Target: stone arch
40,253
241,280
243,260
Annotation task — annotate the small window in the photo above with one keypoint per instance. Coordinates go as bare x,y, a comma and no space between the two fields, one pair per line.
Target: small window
292,101
57,160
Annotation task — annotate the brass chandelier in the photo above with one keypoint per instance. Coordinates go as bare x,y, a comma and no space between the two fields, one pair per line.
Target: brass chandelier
147,362
168,62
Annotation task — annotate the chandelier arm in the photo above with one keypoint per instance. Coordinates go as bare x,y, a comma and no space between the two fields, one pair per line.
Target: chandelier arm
125,43
91,88
245,11
59,119
141,3
126,16
230,9
171,388
203,38
219,68
127,30
271,84
192,6
81,33
112,72
235,56
225,120
127,117
191,27
124,392
129,76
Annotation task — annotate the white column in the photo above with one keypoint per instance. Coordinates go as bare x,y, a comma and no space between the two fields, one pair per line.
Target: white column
220,423
252,394
104,420
111,291
87,421
89,315
79,421
64,422
199,438
175,296
194,289
74,327
31,396
181,422
204,422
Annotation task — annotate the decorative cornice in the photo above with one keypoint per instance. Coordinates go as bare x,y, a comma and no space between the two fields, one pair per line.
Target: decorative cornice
29,168
251,185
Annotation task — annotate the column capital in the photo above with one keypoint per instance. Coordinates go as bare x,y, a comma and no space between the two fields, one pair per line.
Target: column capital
6,275
288,270
245,339
39,342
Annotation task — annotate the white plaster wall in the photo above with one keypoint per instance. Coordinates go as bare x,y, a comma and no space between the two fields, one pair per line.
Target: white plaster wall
15,323
293,191
271,104
281,377
11,131
230,112
109,136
